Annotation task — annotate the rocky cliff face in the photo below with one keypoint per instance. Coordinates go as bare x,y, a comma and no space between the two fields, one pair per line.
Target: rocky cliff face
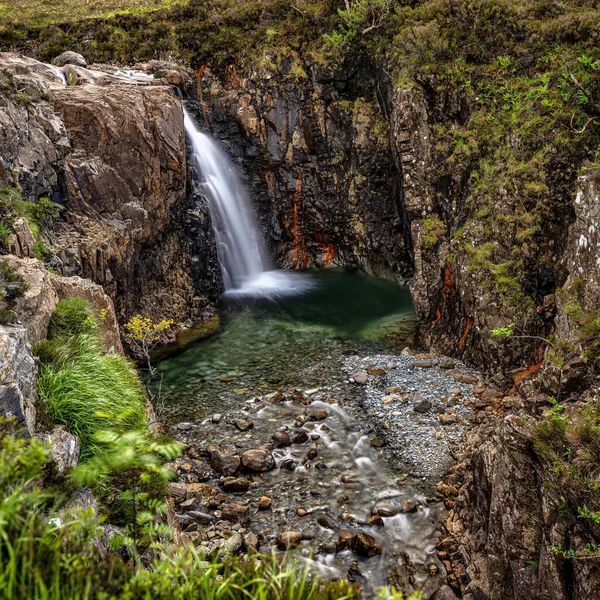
113,155
315,151
508,519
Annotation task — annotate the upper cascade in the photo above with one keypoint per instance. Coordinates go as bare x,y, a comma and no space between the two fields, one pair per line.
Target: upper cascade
241,249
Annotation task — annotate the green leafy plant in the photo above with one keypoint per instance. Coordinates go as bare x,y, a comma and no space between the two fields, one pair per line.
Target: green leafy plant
136,461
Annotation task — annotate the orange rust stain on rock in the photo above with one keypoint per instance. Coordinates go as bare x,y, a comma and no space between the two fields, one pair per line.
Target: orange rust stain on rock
329,252
448,282
520,375
463,337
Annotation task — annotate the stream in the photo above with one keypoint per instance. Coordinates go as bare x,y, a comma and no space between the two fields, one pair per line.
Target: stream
310,430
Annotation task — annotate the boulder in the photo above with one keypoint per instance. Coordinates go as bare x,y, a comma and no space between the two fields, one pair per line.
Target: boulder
64,449
69,58
258,460
18,373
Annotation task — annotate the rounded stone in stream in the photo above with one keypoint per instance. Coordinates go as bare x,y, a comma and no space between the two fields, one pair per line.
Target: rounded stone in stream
289,539
235,484
311,455
264,502
288,464
365,545
409,506
224,464
243,424
281,439
385,509
318,414
258,460
236,512
299,437
326,521
344,540
184,426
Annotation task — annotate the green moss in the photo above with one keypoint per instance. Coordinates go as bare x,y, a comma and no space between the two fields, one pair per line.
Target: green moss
433,232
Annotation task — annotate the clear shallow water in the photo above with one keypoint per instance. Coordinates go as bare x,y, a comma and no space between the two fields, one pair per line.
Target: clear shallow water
277,358
269,341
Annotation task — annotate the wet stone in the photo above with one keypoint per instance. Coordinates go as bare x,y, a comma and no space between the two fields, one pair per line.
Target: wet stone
326,521
318,414
289,539
243,424
288,464
200,517
385,509
344,540
224,464
281,439
235,484
409,506
258,460
251,542
376,521
236,512
364,544
299,437
184,426
264,502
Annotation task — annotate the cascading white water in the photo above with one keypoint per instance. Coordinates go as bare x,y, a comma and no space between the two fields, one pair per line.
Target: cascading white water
240,245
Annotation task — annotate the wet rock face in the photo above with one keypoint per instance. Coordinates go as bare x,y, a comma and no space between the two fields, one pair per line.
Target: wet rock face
114,155
316,157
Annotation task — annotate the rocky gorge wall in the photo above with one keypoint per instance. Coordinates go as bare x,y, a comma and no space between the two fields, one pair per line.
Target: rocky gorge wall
113,155
314,148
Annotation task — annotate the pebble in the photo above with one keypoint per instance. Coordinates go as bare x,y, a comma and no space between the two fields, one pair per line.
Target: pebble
184,426
264,502
361,377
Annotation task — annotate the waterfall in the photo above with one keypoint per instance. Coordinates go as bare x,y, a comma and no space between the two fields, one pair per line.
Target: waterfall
240,244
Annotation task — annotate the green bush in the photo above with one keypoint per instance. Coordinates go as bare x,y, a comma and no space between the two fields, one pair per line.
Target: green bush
89,391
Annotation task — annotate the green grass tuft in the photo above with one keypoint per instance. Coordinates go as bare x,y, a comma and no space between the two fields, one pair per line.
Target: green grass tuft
89,391
72,316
